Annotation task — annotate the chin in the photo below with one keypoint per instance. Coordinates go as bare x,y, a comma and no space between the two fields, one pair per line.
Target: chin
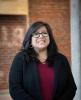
42,48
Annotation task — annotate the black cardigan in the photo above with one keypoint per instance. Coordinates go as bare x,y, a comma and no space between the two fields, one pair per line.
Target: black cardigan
24,79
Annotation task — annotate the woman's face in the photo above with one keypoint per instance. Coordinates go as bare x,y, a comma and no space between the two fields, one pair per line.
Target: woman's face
40,39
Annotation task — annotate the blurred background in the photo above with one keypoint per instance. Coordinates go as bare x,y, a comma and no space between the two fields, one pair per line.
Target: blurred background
64,17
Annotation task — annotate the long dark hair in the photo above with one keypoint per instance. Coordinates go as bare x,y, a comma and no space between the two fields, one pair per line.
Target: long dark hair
51,49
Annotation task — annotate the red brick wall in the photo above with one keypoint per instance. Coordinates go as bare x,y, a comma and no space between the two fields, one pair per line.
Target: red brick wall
12,29
57,14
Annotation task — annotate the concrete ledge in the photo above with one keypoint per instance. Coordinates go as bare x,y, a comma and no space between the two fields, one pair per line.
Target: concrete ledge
5,91
4,95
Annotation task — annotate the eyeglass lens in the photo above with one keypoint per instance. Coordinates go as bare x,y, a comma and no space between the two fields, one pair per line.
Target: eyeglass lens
37,34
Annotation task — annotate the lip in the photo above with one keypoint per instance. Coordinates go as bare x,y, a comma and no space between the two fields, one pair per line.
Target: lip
41,41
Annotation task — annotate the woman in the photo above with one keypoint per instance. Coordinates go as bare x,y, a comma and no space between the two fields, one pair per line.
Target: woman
39,71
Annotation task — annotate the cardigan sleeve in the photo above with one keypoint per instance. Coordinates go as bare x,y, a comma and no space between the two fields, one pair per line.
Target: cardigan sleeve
70,90
16,89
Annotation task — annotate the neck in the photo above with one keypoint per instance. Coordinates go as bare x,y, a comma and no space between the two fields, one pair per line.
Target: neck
42,55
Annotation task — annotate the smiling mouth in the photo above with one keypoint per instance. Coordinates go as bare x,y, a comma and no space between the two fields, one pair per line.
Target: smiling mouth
42,41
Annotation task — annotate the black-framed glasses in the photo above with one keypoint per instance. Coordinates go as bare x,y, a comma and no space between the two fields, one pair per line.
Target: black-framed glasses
37,34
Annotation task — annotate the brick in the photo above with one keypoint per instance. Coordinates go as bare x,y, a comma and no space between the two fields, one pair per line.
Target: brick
9,25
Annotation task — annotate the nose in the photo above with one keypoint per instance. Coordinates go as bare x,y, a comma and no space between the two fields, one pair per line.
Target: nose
40,35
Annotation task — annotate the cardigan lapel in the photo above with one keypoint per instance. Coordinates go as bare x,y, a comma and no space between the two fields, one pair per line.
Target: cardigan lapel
56,79
36,83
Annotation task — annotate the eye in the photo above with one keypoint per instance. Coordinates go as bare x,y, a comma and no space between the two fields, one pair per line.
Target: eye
45,33
36,33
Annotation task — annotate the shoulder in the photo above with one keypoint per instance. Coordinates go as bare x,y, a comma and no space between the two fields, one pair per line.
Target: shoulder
21,56
18,60
62,58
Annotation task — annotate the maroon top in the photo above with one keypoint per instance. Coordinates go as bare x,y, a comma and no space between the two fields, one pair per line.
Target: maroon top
46,80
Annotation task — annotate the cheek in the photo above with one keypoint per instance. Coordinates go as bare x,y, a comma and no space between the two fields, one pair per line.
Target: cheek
33,42
48,41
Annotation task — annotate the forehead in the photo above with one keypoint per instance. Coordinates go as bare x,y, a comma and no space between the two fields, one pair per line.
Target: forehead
43,28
